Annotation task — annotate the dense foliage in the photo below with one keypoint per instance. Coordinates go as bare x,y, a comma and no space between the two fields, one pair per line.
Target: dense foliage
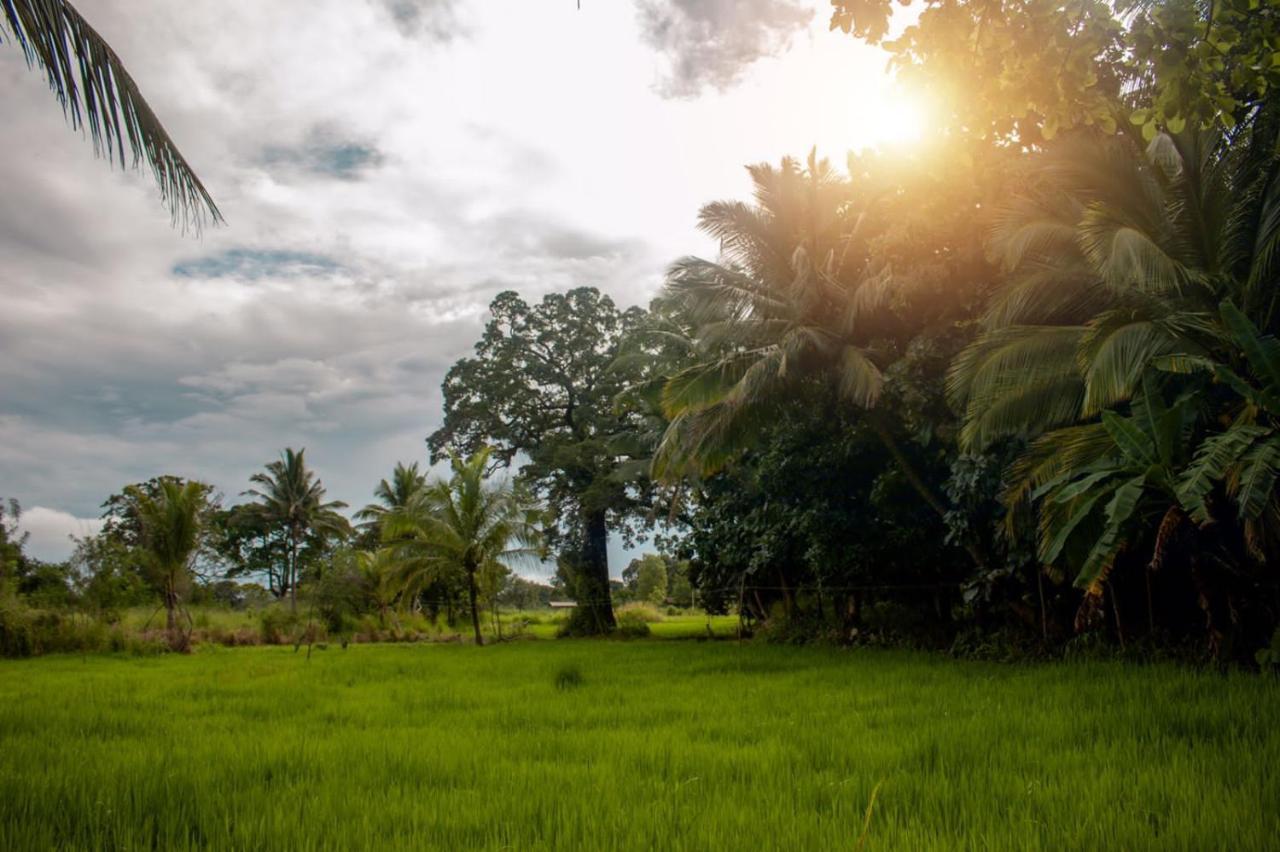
1017,390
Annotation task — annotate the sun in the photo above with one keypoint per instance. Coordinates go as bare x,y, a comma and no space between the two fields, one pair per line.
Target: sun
889,118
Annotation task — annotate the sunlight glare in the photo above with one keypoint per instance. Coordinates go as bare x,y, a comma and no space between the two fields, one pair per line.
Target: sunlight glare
895,118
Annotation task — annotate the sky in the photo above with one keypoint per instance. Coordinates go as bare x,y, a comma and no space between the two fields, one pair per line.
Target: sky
385,168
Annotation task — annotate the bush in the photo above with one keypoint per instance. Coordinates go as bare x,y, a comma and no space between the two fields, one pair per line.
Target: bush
279,625
632,625
16,636
642,612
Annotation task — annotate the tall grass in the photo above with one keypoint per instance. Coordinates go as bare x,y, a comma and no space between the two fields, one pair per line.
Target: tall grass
656,746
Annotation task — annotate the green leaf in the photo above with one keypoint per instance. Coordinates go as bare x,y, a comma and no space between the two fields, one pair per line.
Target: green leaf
1074,489
1212,461
1256,483
1176,124
1051,548
1121,506
1132,441
1263,354
1182,363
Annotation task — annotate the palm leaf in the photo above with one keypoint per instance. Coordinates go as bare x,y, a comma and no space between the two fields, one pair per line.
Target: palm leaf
1132,441
97,92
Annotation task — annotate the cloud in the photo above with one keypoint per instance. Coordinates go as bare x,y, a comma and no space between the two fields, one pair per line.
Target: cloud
325,152
436,20
709,44
50,531
386,167
252,264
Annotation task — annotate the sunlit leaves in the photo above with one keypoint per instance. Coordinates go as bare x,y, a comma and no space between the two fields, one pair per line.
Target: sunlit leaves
1032,69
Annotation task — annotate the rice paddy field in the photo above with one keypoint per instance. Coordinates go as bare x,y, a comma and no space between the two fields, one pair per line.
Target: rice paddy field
638,745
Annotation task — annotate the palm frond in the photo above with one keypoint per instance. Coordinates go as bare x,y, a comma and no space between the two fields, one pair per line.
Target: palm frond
1114,352
97,92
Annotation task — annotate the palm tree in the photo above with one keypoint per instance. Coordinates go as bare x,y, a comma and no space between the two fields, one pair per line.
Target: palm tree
1135,277
383,575
292,498
797,297
391,495
106,100
170,525
1120,262
463,526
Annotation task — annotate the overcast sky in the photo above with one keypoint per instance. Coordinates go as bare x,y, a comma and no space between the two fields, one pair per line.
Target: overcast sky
385,168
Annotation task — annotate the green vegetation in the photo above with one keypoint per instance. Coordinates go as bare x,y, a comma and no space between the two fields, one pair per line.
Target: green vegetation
1011,393
1015,395
576,745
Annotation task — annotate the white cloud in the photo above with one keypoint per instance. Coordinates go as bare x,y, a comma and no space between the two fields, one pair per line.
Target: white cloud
384,175
50,531
710,44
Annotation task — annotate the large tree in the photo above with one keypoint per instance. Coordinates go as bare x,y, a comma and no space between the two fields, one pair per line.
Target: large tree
290,498
97,92
464,527
1024,70
541,389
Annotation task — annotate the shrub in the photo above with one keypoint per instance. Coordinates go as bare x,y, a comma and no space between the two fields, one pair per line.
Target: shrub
16,636
279,625
632,625
643,612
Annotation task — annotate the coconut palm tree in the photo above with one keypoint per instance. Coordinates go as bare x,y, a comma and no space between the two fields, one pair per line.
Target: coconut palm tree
1134,345
1118,263
393,494
291,498
797,297
170,526
96,92
384,578
465,527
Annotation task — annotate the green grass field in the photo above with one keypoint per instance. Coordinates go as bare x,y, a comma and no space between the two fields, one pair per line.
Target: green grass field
662,745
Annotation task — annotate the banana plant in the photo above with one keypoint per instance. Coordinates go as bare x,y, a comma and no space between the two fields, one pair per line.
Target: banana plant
1235,470
1102,486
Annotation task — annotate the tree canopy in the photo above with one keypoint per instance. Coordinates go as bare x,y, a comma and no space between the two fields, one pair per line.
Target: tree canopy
541,390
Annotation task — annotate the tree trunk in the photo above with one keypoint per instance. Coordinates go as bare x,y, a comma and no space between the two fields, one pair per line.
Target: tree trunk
475,611
595,607
293,573
171,617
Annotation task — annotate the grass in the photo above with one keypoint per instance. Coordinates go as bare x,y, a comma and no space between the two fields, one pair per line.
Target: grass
630,745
